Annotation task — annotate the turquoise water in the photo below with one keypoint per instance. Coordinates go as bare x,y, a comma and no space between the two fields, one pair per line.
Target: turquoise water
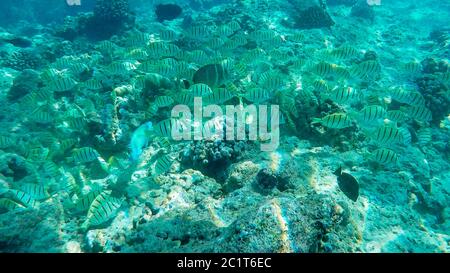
224,126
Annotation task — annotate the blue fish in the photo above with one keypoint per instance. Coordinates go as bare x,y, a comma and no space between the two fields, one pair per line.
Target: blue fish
140,139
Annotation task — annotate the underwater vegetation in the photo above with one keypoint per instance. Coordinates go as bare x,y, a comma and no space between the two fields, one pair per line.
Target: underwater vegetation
89,161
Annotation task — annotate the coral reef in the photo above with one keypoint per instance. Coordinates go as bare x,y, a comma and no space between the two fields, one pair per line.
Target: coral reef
363,10
433,65
436,94
88,161
23,59
107,19
20,230
212,157
110,16
440,35
15,166
266,180
27,81
112,11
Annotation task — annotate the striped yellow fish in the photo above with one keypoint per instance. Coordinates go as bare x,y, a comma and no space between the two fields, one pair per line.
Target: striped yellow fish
77,123
78,68
138,54
424,137
170,50
410,97
341,73
200,90
6,142
63,84
67,143
85,201
372,113
396,115
342,94
213,74
102,209
344,52
138,39
334,121
164,128
51,169
93,84
385,156
270,80
51,74
163,164
8,204
198,32
419,113
234,25
42,116
68,183
44,94
120,68
198,56
163,101
406,134
156,49
366,69
387,134
168,35
323,69
257,95
218,96
23,198
106,46
444,77
297,37
163,142
186,98
37,154
37,192
306,96
298,64
262,35
321,86
413,67
224,31
84,155
215,43
239,40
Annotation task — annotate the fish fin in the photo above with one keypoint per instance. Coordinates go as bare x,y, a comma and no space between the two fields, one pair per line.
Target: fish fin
338,172
316,120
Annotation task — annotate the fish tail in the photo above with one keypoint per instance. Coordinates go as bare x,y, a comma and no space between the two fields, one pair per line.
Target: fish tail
338,171
316,120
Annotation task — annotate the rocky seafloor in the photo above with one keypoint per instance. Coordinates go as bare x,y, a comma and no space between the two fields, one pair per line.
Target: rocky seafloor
251,201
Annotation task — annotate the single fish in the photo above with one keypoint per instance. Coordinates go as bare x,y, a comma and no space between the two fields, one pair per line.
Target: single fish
140,139
385,156
348,184
102,209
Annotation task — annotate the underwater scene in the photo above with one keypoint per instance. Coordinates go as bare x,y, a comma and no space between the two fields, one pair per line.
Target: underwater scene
224,126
